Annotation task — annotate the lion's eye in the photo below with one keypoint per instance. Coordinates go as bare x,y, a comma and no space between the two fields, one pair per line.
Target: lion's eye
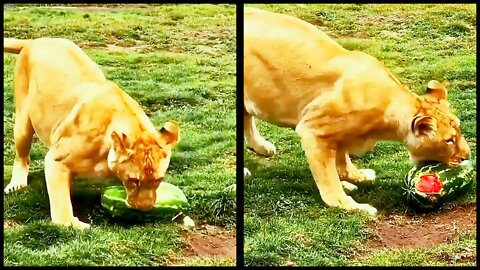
450,141
135,181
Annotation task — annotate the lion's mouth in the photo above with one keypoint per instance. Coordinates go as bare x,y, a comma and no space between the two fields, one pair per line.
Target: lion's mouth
453,164
458,162
142,206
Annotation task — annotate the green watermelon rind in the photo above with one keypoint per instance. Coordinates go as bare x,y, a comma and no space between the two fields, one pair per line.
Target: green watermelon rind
454,180
170,201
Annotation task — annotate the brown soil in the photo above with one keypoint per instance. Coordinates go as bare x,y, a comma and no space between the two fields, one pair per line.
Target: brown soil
207,241
214,243
422,230
114,48
389,19
95,7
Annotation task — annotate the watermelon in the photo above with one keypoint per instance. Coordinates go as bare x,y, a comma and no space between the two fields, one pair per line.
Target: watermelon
170,201
429,185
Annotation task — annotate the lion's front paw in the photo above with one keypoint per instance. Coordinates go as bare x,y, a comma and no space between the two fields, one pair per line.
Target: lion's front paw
370,210
19,179
348,203
265,148
14,186
75,222
348,186
368,175
358,176
79,224
246,172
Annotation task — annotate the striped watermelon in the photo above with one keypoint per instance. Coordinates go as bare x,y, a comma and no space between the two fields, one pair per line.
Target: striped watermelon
170,201
429,185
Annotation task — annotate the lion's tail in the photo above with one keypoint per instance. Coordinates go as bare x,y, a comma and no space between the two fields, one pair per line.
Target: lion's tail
13,45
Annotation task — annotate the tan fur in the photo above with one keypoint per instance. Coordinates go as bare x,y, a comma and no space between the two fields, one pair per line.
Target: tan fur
91,127
338,101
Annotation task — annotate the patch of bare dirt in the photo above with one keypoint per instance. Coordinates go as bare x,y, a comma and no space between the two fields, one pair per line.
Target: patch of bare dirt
386,19
86,9
424,230
115,48
316,21
207,241
210,241
94,8
355,40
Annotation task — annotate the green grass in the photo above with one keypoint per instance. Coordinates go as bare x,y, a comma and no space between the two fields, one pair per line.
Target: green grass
185,72
285,219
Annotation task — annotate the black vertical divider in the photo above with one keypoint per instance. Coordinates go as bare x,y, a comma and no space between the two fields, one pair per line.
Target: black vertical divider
239,73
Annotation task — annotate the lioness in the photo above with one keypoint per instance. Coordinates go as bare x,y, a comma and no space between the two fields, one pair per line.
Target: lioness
339,102
91,127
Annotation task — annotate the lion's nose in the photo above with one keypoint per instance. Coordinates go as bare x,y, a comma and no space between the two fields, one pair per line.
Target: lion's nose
465,156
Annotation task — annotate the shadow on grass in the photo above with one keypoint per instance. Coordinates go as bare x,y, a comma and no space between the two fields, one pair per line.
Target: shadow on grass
31,205
41,235
291,187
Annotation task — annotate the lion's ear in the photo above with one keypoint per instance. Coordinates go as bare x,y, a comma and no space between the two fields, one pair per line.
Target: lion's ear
424,126
120,142
121,145
170,132
436,89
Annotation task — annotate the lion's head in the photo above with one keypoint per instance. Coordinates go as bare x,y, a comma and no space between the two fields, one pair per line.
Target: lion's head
141,163
435,131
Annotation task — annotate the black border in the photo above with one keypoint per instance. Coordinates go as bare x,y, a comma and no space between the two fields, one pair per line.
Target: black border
239,129
240,160
239,93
